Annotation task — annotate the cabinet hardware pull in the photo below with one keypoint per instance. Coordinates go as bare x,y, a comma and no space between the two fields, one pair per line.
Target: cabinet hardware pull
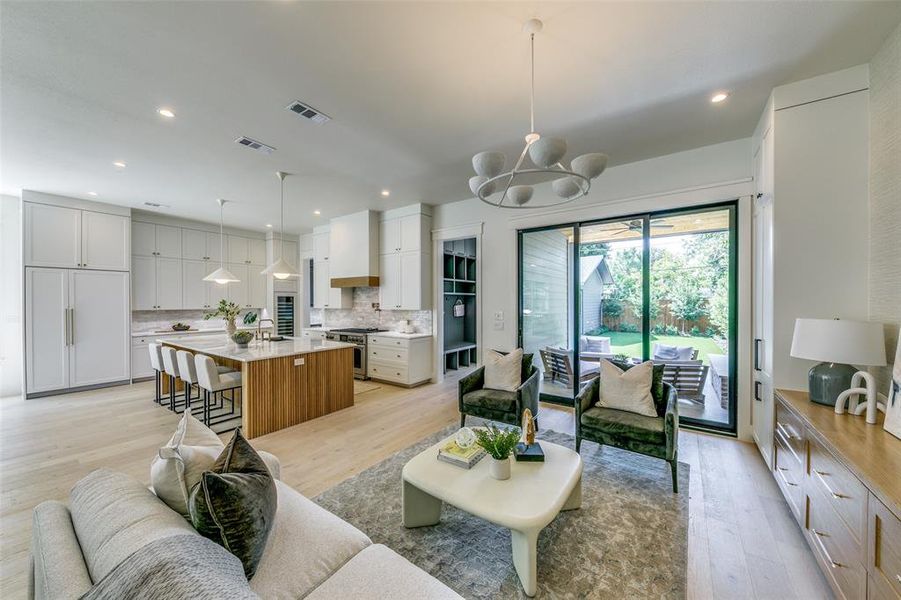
819,475
757,391
757,353
66,324
72,325
817,537
785,431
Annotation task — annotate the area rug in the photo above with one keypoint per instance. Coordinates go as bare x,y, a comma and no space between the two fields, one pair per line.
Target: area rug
629,539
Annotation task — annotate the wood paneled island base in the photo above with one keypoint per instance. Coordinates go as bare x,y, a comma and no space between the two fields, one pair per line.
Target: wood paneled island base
283,383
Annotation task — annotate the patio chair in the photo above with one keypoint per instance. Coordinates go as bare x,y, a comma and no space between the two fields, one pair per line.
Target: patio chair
687,376
558,367
663,352
594,348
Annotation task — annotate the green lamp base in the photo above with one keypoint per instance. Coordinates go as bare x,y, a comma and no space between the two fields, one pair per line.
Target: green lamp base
826,381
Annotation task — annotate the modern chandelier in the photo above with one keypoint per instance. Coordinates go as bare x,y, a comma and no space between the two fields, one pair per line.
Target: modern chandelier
221,275
546,154
280,269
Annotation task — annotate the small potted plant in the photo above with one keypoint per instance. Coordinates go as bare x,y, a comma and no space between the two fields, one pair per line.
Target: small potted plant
228,311
242,338
499,444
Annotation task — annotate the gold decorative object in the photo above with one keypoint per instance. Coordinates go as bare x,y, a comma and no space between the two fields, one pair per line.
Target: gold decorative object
528,427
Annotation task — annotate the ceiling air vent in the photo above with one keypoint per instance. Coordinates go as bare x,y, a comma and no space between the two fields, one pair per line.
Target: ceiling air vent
255,145
308,112
156,205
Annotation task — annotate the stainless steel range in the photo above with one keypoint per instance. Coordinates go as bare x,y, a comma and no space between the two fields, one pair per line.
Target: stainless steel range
357,337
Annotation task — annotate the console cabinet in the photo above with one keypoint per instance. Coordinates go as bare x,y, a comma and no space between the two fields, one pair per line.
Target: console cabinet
842,480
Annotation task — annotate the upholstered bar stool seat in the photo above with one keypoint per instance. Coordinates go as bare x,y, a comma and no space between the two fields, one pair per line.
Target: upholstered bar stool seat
156,362
170,366
214,383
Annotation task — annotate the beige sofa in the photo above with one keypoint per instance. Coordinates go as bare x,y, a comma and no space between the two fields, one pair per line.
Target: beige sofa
311,553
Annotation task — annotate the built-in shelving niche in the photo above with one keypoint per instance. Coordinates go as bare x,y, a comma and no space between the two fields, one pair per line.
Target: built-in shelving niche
460,349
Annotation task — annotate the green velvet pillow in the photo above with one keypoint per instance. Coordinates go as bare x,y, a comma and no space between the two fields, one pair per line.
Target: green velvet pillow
234,504
657,388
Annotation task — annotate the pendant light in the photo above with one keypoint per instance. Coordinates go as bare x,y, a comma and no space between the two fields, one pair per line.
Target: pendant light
280,269
221,275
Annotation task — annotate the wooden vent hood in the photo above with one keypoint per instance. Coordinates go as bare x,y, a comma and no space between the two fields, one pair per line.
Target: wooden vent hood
354,250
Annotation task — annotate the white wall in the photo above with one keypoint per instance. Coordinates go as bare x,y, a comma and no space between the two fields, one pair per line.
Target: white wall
10,296
699,176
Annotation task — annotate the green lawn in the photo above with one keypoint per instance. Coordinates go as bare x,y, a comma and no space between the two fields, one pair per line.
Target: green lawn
630,343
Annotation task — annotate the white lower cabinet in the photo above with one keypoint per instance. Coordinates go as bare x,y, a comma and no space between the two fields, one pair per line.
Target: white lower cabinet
76,328
140,358
402,360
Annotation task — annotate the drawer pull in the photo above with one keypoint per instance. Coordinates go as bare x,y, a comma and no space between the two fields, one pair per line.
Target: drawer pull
817,537
785,431
819,475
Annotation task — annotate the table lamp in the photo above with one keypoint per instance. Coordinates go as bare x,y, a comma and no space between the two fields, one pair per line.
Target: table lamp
837,344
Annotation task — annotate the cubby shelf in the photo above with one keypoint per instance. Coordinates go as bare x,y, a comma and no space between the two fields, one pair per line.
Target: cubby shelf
459,263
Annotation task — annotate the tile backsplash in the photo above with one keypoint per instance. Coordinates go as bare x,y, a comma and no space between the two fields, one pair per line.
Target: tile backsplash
157,320
363,315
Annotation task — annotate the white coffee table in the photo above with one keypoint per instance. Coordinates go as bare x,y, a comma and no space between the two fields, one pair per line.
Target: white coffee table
525,504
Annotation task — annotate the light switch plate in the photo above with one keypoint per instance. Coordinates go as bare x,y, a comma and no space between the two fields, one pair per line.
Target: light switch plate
298,362
498,315
499,325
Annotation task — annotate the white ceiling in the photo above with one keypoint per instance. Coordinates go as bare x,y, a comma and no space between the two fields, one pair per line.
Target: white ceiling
414,90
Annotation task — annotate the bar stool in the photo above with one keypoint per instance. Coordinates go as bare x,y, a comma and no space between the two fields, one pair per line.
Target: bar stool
212,382
156,362
170,365
187,371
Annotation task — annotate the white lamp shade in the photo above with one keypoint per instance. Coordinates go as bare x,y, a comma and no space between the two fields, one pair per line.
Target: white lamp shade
489,164
221,276
280,269
839,341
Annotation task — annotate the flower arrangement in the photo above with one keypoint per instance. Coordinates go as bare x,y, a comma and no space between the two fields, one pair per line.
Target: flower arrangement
228,311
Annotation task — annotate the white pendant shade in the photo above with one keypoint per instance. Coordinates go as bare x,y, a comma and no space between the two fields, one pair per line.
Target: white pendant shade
280,269
221,276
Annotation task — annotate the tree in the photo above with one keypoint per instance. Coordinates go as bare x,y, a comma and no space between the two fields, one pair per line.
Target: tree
594,249
686,301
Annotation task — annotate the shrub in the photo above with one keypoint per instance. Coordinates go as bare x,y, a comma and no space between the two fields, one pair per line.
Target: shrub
658,329
628,328
694,331
710,332
671,330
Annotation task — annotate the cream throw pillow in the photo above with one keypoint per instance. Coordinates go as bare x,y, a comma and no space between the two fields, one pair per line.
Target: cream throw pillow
191,450
503,372
627,390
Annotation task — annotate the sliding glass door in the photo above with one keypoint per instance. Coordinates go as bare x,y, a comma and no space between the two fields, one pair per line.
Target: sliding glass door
656,286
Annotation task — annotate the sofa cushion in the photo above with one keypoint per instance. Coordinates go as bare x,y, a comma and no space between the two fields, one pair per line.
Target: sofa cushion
235,502
306,546
191,450
497,400
58,569
378,572
624,424
175,568
114,515
628,390
658,392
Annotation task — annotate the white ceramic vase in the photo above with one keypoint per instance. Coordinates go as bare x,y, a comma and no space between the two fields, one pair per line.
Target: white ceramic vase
500,469
230,328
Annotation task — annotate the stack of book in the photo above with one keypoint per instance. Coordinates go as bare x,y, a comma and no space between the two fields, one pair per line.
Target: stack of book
451,453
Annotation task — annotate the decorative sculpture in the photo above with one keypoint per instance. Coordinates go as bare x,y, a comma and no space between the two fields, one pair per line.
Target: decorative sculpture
528,450
528,427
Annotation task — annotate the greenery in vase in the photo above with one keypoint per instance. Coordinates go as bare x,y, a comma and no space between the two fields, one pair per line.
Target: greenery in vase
227,310
624,358
497,442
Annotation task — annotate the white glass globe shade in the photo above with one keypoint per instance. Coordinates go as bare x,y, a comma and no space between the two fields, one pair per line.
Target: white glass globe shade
476,182
489,164
566,187
590,165
547,151
520,194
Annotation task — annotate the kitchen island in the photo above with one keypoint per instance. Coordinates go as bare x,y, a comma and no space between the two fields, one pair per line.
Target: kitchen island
283,383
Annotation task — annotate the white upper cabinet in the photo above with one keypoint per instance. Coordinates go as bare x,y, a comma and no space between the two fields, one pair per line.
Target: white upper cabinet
238,290
156,283
195,292
214,246
403,234
390,282
256,294
193,244
404,282
353,248
290,253
57,236
320,246
148,239
105,241
143,283
245,251
168,283
52,236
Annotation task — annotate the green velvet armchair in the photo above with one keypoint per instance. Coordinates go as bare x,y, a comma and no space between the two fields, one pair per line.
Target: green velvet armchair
653,436
499,405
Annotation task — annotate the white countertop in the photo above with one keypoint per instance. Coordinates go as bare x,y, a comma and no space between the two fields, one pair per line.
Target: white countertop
223,347
158,333
398,334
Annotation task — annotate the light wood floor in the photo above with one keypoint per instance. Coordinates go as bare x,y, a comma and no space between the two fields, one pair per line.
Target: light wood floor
742,541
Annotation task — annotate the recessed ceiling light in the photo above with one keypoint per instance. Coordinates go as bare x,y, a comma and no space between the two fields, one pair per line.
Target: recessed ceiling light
719,97
166,112
269,225
119,164
316,212
92,193
386,193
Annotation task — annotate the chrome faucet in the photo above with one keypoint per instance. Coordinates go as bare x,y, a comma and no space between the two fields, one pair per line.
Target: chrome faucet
261,335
